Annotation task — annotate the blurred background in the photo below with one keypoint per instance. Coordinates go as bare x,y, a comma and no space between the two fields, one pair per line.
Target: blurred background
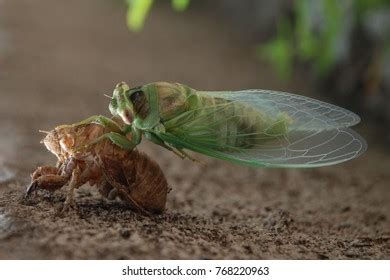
58,58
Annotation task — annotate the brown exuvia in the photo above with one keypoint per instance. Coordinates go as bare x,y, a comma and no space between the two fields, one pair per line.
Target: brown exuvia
130,175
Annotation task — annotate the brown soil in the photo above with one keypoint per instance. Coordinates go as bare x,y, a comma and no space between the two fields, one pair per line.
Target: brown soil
57,60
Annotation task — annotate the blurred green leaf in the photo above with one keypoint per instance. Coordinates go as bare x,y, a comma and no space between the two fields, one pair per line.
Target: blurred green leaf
333,25
279,51
180,5
307,44
137,12
317,42
362,6
315,36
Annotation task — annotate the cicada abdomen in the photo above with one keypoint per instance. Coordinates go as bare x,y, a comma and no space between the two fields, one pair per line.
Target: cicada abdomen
137,179
224,124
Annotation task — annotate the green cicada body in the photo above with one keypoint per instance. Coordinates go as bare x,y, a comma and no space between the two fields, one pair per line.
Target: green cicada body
256,127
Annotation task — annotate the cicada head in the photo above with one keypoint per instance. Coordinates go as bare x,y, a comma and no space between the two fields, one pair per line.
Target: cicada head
72,140
120,104
59,141
51,141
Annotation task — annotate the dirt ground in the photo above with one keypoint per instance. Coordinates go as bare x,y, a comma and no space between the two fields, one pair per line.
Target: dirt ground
58,58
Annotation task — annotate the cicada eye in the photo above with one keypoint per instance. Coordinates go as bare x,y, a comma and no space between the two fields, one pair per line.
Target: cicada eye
140,103
137,96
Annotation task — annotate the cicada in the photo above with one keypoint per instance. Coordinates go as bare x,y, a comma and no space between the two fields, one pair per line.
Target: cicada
257,127
127,174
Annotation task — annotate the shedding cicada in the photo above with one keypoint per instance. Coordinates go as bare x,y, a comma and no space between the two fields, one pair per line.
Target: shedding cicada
127,174
257,127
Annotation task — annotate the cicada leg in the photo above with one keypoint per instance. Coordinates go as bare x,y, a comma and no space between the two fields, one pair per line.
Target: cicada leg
186,155
107,190
156,140
122,192
73,184
44,170
50,182
128,137
177,151
114,137
102,120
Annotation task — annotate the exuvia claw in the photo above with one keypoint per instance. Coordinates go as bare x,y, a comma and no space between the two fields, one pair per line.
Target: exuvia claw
31,188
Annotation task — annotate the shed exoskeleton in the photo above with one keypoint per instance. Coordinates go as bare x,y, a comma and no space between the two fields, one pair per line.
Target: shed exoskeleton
128,174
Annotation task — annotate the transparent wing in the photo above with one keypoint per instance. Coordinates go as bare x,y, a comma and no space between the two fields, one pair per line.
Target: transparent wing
303,110
317,133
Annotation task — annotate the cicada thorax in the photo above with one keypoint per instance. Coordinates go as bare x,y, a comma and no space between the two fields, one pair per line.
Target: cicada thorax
63,140
172,99
69,141
158,102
